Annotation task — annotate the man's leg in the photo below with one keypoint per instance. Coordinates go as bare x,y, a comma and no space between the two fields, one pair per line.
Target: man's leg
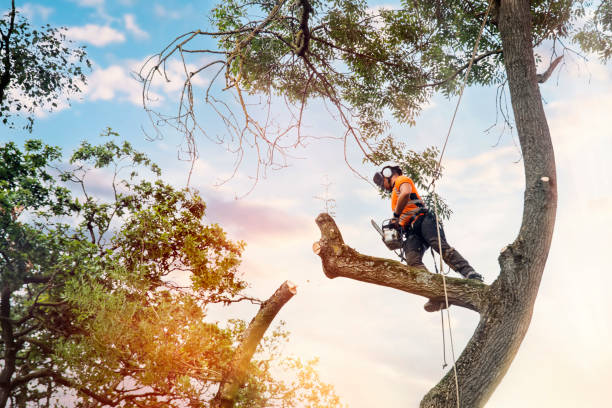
414,249
450,255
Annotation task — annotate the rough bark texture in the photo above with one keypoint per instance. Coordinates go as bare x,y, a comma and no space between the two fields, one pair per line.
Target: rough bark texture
234,377
341,260
506,306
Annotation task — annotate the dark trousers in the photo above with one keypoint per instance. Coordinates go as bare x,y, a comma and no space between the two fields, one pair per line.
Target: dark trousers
422,235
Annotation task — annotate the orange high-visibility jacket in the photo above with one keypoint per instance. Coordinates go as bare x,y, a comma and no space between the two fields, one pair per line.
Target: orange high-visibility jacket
412,207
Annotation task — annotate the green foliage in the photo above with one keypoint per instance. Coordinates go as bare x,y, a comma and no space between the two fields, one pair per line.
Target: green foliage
596,35
41,68
373,61
89,299
370,65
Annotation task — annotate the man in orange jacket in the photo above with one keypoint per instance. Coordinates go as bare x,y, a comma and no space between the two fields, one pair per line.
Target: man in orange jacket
418,223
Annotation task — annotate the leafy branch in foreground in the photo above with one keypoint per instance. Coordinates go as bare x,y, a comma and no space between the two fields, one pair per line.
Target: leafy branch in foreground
104,292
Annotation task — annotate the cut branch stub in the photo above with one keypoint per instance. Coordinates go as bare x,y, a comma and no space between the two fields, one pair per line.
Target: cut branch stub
544,76
236,373
340,260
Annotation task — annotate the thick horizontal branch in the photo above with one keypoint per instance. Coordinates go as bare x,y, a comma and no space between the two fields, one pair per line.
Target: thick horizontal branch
340,260
36,279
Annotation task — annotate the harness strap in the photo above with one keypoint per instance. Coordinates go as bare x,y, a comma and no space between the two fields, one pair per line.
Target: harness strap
417,202
413,214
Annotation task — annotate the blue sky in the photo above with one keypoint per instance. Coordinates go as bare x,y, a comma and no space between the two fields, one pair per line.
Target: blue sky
377,346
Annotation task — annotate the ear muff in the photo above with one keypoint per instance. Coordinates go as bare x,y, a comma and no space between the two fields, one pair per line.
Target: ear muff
386,171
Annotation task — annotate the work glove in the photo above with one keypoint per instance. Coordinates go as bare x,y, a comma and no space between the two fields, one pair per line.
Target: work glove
395,221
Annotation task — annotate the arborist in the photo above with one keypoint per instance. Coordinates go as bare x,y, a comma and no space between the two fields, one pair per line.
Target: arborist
418,223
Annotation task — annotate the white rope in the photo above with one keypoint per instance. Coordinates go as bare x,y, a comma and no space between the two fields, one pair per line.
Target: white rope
437,175
448,317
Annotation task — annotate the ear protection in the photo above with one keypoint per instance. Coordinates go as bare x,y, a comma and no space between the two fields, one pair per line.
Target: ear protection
385,173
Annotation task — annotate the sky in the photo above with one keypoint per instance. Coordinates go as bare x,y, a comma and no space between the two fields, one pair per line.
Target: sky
377,346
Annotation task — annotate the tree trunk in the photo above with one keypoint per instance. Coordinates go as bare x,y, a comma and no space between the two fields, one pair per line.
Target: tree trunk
10,348
504,323
506,306
236,373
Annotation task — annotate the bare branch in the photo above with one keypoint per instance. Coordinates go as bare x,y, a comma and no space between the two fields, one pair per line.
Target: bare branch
544,76
236,373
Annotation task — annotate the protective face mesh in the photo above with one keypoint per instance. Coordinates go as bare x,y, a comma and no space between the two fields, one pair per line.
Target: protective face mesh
378,179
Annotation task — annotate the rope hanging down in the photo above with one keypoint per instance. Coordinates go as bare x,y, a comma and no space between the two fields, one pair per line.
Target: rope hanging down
433,189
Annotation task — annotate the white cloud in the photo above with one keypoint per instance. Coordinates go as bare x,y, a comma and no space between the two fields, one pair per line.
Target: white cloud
114,82
161,11
132,27
95,34
90,3
31,11
119,82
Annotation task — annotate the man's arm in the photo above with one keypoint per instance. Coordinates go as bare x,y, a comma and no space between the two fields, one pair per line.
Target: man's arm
403,198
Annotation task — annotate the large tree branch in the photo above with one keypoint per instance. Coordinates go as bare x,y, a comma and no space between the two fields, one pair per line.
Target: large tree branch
340,260
235,375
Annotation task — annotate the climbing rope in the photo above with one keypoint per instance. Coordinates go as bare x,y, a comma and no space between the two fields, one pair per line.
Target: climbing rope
433,189
444,363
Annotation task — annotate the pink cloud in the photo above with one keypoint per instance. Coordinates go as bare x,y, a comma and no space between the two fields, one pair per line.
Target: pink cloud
248,220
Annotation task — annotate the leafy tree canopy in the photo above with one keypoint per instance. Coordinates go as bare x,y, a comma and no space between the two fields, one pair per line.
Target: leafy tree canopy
104,295
367,62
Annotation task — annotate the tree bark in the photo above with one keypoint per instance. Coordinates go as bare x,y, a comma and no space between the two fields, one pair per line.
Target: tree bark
235,375
506,306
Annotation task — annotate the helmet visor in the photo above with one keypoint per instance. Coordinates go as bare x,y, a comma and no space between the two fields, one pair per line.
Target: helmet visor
378,179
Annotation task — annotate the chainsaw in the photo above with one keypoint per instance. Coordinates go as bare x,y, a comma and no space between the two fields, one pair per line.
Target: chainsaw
391,235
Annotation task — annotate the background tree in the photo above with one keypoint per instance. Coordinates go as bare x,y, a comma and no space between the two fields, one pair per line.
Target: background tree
369,65
104,296
38,68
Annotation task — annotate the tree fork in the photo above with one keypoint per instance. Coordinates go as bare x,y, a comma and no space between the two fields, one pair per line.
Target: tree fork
235,375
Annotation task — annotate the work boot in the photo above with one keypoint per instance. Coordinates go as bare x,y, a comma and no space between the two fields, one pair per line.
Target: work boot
474,275
434,305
